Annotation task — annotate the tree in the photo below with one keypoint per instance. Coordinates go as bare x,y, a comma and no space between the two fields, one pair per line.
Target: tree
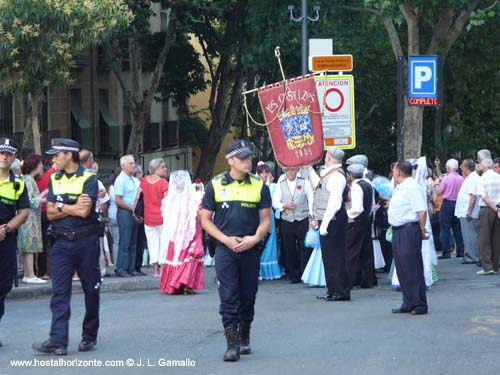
440,23
40,39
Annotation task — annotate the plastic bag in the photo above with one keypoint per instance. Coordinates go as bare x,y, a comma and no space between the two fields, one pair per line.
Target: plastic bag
312,238
388,235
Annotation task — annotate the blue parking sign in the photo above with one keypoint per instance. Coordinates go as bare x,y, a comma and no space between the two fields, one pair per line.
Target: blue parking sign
422,77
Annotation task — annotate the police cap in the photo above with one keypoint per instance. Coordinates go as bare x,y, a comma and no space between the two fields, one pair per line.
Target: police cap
239,148
63,144
8,145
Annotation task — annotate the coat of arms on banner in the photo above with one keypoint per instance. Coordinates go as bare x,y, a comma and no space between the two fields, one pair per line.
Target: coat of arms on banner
292,112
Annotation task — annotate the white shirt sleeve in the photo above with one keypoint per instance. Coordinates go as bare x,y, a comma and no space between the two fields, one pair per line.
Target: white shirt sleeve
313,178
336,186
356,201
277,204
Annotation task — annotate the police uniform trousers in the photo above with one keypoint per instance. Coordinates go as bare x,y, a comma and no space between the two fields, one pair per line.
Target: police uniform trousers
7,268
238,276
296,255
407,246
333,251
360,261
66,257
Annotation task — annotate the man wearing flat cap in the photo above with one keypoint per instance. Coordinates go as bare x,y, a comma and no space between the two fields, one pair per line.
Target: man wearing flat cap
71,211
14,209
330,194
359,240
237,214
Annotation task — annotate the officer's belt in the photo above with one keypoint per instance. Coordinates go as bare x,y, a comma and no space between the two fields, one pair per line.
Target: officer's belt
77,235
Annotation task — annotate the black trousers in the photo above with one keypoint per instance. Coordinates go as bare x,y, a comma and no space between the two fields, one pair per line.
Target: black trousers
141,244
238,276
407,245
296,255
360,261
43,257
333,251
7,268
66,257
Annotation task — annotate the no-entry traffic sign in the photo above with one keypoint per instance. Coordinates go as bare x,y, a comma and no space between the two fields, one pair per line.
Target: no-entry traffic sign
336,100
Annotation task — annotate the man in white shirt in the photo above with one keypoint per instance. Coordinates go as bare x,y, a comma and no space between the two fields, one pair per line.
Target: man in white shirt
407,215
488,224
330,214
360,261
467,210
293,198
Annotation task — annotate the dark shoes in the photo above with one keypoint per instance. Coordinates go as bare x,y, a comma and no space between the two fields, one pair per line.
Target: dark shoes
444,256
415,311
294,281
123,274
232,353
86,345
468,261
334,297
50,347
245,337
135,273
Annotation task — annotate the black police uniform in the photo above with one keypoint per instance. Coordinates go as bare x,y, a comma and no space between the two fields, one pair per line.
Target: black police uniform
75,248
236,206
13,197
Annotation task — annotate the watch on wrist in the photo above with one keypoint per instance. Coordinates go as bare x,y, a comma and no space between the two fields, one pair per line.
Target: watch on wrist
60,206
8,229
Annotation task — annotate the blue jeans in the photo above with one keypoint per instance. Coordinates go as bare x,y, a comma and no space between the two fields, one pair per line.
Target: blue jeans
450,222
128,239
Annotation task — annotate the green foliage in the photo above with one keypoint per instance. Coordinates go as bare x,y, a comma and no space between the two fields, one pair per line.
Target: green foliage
40,39
193,132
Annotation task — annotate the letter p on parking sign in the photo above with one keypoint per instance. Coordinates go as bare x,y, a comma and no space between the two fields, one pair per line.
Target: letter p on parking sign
423,80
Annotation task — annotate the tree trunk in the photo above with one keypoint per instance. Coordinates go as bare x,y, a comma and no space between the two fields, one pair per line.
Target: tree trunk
137,134
34,105
413,120
208,156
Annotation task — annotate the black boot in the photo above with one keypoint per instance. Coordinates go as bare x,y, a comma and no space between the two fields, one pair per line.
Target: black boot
245,337
232,353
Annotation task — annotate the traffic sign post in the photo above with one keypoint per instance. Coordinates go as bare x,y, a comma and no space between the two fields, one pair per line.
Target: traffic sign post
423,81
336,101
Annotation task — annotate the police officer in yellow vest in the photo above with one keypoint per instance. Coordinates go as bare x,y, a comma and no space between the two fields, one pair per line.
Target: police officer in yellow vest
237,214
14,208
71,210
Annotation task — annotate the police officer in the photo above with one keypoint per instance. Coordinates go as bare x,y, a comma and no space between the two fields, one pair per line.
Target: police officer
71,209
14,208
237,214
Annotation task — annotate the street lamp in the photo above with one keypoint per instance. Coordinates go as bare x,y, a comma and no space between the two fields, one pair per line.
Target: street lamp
304,18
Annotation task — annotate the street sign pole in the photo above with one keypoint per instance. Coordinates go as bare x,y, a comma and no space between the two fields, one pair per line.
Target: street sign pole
400,108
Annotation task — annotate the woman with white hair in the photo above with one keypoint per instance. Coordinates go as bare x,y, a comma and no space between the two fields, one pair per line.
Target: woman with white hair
154,188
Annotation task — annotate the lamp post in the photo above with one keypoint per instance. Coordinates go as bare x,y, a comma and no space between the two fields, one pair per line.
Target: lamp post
303,19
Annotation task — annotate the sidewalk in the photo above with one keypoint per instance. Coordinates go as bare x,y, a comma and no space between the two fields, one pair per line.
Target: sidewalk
109,284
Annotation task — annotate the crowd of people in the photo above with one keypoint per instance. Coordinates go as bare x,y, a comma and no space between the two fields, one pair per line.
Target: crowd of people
337,226
133,208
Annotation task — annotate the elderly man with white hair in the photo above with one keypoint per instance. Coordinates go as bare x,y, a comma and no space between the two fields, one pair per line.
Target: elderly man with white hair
126,186
449,188
488,224
330,192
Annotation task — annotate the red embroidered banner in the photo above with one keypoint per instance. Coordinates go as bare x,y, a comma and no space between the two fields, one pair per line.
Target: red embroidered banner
295,127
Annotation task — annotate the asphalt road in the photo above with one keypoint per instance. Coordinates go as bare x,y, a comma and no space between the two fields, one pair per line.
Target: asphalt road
293,333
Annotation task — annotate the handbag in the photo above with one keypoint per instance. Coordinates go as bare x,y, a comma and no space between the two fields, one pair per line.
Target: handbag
139,207
312,238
